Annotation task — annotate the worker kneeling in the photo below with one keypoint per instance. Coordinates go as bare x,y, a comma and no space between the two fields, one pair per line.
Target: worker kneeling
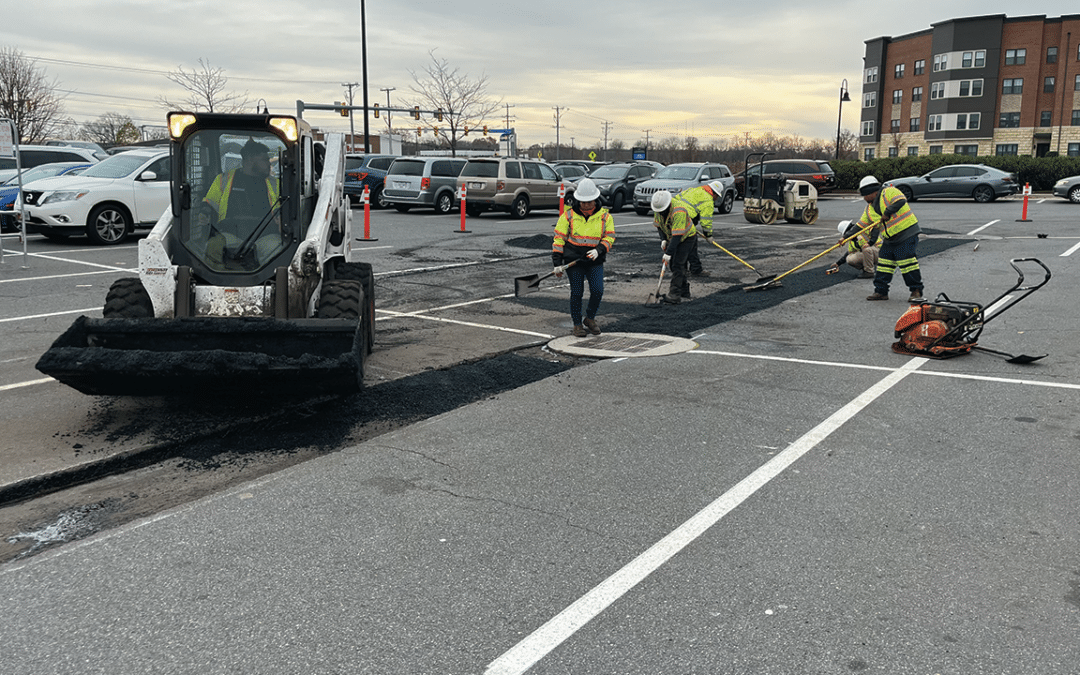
862,250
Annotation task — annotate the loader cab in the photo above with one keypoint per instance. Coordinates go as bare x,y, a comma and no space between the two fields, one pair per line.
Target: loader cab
243,193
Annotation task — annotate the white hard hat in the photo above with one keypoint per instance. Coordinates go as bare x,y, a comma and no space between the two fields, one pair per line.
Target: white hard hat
586,190
869,185
843,226
661,199
717,188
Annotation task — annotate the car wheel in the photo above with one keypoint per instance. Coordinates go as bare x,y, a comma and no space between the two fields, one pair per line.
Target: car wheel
616,202
444,203
983,194
906,191
127,299
402,208
728,203
378,200
520,208
108,225
1074,195
641,212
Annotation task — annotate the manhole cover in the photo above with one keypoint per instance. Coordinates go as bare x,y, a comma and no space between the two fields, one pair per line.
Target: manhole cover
611,345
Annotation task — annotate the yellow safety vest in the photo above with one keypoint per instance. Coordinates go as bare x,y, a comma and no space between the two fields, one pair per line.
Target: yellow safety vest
218,196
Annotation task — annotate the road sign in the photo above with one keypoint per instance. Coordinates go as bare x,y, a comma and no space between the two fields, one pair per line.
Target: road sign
7,140
592,156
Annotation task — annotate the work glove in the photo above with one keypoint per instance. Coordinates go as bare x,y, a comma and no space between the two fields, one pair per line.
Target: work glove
709,239
833,270
667,259
593,254
558,271
663,245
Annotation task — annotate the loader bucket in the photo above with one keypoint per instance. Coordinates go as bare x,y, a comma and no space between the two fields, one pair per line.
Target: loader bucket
208,355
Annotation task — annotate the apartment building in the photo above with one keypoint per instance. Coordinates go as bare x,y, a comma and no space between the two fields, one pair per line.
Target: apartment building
984,85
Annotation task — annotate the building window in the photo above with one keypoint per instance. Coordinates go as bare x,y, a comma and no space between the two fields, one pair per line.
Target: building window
1007,149
935,149
1009,120
1051,54
1046,119
972,150
980,58
961,121
1074,149
894,126
1076,83
894,151
1015,57
1012,86
868,154
974,120
898,72
920,65
933,123
869,99
971,87
941,62
1048,85
967,59
915,124
871,75
916,92
868,128
897,96
937,90
1075,118
912,150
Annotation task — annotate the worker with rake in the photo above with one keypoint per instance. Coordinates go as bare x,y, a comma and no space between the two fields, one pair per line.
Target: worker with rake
675,224
583,236
887,207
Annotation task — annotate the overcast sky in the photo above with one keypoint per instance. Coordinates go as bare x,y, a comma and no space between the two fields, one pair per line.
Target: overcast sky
711,69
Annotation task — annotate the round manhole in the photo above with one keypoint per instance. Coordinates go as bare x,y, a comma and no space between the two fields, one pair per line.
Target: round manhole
612,345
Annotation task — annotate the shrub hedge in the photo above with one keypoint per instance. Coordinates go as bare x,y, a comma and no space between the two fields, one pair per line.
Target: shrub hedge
1040,172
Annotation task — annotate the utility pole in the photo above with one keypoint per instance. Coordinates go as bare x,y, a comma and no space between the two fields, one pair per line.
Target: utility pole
363,49
606,126
389,128
349,86
646,131
557,109
508,106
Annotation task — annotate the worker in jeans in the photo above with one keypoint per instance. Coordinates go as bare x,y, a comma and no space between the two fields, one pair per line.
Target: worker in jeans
583,235
674,223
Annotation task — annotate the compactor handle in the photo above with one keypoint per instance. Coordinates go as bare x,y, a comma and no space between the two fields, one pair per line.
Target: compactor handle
1020,280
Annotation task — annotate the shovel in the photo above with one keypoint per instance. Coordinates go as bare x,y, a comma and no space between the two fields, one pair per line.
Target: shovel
775,281
531,283
663,268
762,278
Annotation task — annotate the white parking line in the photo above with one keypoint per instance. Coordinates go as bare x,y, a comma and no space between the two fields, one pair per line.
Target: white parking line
1070,251
19,385
64,276
980,229
45,316
525,654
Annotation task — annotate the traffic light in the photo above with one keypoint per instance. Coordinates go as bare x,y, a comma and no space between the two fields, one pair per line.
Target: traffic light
438,114
343,111
376,106
466,130
416,112
485,130
419,131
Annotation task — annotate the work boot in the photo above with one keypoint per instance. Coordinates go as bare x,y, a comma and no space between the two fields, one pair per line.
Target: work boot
671,300
877,296
579,331
866,275
591,325
700,273
916,296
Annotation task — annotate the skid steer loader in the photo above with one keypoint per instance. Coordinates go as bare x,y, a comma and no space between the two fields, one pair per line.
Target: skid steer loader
767,199
234,295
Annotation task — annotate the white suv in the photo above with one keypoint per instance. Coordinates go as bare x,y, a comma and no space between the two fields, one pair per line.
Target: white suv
678,177
106,202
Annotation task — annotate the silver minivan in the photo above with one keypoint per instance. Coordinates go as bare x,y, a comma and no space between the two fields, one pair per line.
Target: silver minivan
428,182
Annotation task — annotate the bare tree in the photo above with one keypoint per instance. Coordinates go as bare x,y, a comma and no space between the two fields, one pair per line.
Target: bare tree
464,101
27,98
206,91
111,129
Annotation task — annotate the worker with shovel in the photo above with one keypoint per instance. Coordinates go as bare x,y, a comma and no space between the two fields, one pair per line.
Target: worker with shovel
675,224
583,236
702,201
888,208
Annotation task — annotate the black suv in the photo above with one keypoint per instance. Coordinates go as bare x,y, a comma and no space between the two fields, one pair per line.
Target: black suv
817,172
617,182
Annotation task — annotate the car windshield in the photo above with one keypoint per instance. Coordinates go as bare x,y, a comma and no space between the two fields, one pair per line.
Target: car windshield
678,173
407,167
116,166
610,172
43,171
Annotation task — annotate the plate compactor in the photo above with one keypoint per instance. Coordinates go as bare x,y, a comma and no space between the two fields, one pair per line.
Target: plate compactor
944,328
250,290
766,199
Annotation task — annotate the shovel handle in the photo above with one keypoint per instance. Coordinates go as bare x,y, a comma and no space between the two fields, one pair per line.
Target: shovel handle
733,255
828,250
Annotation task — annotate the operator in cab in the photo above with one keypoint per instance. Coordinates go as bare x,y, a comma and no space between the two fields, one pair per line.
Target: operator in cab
241,200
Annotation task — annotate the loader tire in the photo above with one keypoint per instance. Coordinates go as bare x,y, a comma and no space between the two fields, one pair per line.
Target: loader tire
128,299
343,300
361,272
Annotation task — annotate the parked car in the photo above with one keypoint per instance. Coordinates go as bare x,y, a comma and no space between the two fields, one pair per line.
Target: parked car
106,202
429,182
678,177
583,163
571,173
978,181
98,151
817,172
10,190
1069,188
505,184
617,182
36,155
369,170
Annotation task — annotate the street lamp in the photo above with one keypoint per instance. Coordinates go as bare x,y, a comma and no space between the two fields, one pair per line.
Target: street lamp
843,97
